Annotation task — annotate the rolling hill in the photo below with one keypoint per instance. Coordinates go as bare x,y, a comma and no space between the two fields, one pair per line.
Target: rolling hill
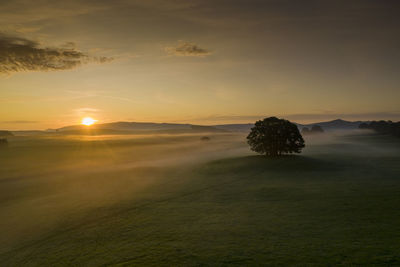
176,128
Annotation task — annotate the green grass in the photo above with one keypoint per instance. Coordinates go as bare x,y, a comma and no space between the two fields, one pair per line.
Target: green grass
336,204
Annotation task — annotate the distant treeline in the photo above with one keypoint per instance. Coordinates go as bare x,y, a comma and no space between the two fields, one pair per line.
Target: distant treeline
382,127
315,129
3,142
5,133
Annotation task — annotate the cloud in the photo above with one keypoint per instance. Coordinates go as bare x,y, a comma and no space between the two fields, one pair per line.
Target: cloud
84,111
187,49
19,54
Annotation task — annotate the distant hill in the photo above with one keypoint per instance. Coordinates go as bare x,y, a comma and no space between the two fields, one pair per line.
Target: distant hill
4,133
174,128
235,127
129,126
338,124
136,128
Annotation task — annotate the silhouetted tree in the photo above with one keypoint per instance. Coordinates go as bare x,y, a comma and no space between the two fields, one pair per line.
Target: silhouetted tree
317,129
274,137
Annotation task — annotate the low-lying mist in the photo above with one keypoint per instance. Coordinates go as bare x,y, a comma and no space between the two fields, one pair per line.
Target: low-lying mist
51,181
47,180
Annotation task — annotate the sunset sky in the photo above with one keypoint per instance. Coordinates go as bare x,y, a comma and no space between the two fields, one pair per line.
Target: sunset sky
197,61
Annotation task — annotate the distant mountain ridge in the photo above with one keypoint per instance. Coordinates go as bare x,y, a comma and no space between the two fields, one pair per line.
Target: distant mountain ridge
129,126
136,128
175,128
337,124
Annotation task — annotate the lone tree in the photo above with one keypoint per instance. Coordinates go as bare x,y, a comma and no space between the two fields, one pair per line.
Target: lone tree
274,137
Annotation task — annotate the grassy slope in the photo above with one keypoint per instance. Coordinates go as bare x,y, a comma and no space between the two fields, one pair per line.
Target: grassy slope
336,204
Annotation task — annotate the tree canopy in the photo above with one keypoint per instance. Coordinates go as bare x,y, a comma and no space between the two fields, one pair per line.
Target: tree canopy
274,137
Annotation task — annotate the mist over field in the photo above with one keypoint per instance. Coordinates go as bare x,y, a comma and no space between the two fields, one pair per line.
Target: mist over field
50,179
63,194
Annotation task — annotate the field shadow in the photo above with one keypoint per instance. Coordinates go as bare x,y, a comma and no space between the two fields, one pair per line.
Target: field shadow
287,163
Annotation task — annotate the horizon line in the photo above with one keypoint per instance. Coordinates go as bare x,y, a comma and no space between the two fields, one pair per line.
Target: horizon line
197,124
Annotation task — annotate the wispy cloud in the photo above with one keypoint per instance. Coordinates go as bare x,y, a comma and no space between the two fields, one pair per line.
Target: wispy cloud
19,54
187,49
85,111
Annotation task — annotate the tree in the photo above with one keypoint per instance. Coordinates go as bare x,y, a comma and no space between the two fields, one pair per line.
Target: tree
274,137
317,129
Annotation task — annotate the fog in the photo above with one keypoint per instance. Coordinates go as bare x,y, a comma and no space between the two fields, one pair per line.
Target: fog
49,182
357,142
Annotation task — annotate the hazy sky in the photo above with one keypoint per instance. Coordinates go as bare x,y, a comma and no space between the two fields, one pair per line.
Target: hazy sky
199,61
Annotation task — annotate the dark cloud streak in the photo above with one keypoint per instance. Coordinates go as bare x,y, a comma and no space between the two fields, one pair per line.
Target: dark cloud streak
19,54
187,49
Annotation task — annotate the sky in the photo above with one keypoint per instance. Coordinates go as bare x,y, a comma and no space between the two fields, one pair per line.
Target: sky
197,61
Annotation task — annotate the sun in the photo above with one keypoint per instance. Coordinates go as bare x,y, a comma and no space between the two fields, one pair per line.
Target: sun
88,121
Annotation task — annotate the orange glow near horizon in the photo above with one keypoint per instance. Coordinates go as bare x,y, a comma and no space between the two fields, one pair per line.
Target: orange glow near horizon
88,121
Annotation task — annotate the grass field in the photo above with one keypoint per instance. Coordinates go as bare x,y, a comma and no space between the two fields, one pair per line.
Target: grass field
178,201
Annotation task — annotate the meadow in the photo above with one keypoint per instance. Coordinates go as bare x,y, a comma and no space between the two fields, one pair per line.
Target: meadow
175,200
